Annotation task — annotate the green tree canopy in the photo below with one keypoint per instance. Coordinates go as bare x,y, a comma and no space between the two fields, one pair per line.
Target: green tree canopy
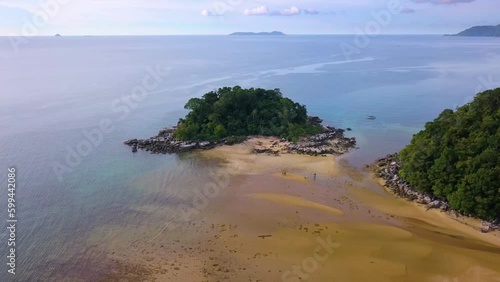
457,157
234,111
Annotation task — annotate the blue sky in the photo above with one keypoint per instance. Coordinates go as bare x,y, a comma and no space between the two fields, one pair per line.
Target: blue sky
139,17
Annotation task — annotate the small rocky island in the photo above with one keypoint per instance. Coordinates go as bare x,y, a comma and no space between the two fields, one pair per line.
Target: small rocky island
231,115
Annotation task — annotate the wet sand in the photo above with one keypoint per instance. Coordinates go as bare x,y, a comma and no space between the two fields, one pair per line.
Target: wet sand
341,226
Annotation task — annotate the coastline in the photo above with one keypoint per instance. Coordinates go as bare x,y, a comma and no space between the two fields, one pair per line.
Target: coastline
266,226
364,210
326,141
387,170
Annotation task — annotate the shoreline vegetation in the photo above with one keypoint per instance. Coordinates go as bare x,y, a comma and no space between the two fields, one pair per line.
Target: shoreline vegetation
230,116
387,169
453,164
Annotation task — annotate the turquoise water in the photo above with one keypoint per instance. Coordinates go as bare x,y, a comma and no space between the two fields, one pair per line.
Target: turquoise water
53,89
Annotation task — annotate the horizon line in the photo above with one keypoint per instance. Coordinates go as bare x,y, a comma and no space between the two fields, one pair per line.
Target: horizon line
219,34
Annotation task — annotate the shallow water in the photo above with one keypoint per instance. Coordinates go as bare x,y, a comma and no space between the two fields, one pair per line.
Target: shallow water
56,88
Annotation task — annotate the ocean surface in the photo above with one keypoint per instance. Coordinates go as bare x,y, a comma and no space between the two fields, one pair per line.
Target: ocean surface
65,110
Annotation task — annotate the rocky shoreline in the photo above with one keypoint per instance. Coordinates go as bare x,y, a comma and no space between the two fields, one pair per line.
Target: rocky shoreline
165,143
388,169
330,141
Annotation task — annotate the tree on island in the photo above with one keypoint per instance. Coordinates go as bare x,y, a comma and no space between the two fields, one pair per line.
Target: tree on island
234,111
457,157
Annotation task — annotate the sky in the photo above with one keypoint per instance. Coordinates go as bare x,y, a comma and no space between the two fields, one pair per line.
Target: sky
164,17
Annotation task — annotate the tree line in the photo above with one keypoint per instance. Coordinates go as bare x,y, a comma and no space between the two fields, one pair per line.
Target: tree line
231,112
457,157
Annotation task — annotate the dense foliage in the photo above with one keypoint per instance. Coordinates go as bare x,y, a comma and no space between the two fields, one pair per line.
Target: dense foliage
230,112
457,157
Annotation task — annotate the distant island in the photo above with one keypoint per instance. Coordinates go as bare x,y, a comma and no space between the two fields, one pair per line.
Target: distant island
258,33
480,31
57,35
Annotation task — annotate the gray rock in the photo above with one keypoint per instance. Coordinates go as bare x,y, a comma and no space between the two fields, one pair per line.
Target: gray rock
426,200
485,228
131,142
434,205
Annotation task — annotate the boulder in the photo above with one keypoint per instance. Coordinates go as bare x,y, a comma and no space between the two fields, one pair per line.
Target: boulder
444,206
426,200
205,144
131,142
260,150
434,205
485,228
314,120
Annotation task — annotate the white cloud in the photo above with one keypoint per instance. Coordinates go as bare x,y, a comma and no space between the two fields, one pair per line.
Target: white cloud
292,11
206,13
265,11
259,11
311,11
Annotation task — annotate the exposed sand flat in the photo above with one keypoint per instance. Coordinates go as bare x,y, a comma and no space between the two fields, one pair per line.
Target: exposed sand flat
267,226
410,244
241,161
372,248
296,201
433,220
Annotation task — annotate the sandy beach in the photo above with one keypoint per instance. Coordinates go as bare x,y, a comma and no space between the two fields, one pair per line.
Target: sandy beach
338,226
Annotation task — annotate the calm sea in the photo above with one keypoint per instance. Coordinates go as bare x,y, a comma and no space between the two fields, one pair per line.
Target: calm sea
55,92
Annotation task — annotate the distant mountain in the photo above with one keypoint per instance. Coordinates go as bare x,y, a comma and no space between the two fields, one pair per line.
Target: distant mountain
258,33
486,30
